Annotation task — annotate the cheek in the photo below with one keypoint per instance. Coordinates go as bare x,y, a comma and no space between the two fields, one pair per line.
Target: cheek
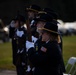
16,24
43,36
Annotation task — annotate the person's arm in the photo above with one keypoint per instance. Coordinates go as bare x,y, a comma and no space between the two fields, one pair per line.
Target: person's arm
11,29
36,58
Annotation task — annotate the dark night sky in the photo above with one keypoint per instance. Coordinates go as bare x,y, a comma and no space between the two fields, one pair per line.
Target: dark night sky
65,8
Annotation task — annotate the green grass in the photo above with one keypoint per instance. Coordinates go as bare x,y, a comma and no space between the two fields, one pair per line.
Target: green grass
69,49
6,56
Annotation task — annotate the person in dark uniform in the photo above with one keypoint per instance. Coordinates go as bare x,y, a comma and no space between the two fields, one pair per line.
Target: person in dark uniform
17,32
32,12
41,19
55,18
47,59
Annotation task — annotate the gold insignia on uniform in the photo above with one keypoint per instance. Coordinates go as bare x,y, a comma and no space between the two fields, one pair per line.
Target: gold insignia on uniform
36,48
17,41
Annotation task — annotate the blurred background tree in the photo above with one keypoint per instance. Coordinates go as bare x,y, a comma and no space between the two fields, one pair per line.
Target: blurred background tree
65,8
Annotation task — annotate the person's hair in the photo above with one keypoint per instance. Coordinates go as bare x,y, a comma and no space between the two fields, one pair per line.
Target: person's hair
59,39
53,36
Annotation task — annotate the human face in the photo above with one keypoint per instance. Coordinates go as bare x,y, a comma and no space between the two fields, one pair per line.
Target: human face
30,14
45,36
40,24
16,24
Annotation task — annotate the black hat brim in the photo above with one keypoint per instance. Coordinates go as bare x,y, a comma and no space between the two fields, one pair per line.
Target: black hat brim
29,9
49,31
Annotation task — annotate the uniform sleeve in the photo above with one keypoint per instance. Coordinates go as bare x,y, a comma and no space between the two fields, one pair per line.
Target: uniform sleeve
54,54
36,58
11,31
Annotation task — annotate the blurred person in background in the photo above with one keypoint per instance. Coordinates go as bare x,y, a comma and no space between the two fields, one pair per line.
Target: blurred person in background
17,32
55,17
31,13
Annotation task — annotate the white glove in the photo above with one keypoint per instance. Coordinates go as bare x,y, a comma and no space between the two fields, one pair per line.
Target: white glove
12,24
29,45
20,51
32,22
19,33
34,39
28,69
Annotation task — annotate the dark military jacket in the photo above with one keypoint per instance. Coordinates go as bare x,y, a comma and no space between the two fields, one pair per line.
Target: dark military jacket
39,43
12,31
21,48
46,63
18,43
